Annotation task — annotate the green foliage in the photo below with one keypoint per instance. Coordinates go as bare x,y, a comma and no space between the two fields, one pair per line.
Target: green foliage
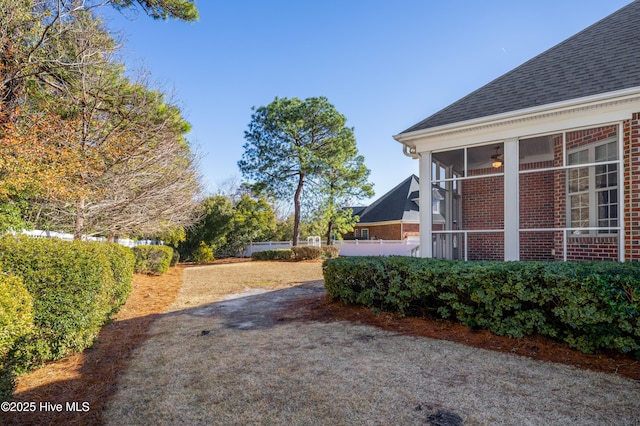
75,287
307,252
16,321
184,10
16,316
216,213
175,258
7,383
329,252
253,220
203,254
301,143
228,226
591,306
153,260
276,254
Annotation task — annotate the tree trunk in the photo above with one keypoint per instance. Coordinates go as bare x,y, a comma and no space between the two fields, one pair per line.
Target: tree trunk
296,210
329,231
79,224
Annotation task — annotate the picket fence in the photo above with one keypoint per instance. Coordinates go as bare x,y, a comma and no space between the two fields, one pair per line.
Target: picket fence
36,233
348,247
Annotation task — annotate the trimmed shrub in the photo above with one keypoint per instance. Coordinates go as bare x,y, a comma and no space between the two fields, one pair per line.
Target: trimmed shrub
7,383
276,254
152,260
122,266
591,306
175,258
203,254
307,252
16,316
329,252
75,287
16,321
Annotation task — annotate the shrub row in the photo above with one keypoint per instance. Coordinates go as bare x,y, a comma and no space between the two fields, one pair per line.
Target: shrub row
591,306
298,253
313,252
203,254
276,254
16,321
153,260
75,288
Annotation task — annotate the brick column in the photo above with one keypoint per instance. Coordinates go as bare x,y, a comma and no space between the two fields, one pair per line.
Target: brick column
632,187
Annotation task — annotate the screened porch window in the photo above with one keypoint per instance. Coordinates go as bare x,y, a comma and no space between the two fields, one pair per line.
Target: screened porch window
592,190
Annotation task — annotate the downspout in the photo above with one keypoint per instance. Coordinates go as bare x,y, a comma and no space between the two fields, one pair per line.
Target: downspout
410,151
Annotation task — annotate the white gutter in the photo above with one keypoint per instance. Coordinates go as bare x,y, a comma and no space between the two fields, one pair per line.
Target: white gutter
522,114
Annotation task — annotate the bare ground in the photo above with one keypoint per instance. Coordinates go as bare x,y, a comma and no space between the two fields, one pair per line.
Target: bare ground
207,362
285,356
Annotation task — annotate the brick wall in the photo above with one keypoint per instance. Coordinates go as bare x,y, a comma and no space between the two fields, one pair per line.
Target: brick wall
483,208
391,231
536,211
579,247
632,187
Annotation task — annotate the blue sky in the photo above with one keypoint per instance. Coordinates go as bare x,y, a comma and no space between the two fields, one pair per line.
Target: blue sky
385,65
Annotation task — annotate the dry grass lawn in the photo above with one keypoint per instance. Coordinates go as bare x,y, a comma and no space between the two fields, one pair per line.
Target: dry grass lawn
289,356
280,357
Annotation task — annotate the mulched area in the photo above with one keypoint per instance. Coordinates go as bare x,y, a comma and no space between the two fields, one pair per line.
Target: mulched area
91,377
535,347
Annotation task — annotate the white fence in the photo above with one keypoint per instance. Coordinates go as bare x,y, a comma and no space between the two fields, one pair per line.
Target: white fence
378,247
69,237
275,245
347,248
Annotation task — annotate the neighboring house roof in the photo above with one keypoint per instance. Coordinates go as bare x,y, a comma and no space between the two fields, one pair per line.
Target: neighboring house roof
357,211
602,58
399,204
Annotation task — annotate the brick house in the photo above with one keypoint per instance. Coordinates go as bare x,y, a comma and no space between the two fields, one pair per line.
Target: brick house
394,216
542,163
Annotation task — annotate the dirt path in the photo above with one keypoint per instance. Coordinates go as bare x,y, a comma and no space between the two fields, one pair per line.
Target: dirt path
256,358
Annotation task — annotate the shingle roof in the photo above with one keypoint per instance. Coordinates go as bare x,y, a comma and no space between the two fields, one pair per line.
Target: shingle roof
397,204
604,57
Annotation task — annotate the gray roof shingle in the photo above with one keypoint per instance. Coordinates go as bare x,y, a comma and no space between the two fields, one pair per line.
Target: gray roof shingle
604,57
397,204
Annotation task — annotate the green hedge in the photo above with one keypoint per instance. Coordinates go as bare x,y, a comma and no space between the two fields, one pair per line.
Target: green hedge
16,321
314,252
306,252
592,306
153,260
203,254
329,252
276,254
16,316
75,286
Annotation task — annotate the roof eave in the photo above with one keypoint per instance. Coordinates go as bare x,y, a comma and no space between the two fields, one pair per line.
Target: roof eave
408,138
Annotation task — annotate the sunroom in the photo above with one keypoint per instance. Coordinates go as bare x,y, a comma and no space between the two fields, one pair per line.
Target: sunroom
543,163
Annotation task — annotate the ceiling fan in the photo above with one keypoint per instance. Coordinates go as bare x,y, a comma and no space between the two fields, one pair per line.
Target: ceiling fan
497,158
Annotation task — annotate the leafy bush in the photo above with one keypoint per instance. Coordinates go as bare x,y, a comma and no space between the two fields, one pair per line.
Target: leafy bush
75,287
16,316
591,306
276,254
153,260
203,254
329,252
16,321
7,383
307,252
175,258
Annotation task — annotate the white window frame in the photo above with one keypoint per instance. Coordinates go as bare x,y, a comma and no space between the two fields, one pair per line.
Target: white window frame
364,232
592,191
